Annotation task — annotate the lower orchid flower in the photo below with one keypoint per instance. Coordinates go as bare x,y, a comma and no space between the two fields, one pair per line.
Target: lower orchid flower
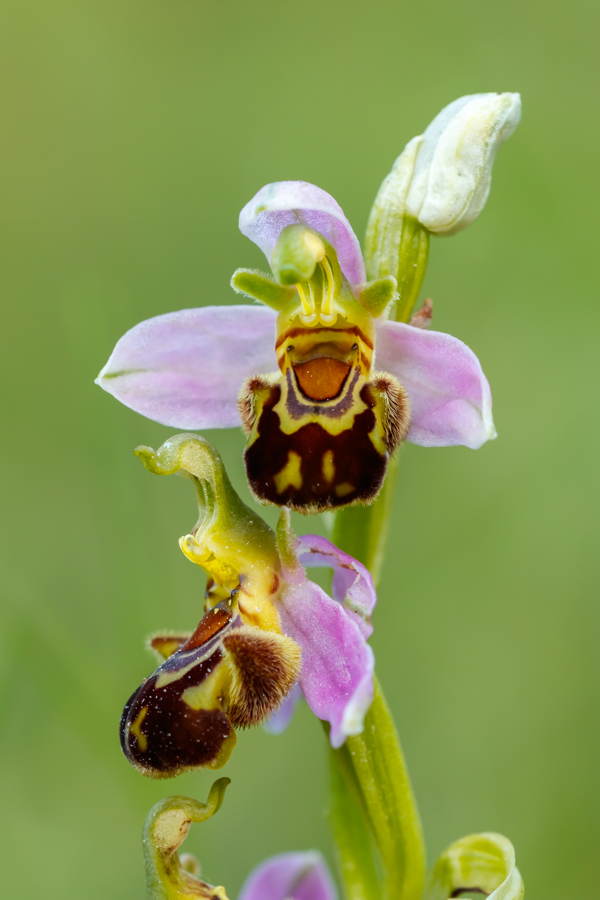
325,384
266,627
479,863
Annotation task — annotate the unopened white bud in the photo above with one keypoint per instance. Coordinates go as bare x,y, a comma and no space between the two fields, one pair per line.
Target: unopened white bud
453,169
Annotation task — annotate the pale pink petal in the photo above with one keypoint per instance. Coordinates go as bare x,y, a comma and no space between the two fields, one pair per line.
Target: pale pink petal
450,396
186,368
282,717
337,663
288,202
352,584
290,876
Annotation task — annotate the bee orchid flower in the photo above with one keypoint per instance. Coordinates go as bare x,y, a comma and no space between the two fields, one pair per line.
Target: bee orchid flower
266,627
324,383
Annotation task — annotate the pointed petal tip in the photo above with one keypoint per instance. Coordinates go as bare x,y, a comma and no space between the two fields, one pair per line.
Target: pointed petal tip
353,721
451,402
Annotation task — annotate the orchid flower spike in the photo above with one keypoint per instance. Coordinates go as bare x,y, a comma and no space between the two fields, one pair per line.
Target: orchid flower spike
326,384
288,876
266,626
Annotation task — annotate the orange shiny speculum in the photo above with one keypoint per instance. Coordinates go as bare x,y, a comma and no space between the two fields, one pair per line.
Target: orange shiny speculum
321,378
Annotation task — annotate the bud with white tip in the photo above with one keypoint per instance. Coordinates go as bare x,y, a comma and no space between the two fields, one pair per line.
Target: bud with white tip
453,170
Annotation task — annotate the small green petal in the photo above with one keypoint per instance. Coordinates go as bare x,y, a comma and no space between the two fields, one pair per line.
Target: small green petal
377,295
261,287
480,862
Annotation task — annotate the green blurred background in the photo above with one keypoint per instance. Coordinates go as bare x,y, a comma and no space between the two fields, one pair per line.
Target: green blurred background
133,131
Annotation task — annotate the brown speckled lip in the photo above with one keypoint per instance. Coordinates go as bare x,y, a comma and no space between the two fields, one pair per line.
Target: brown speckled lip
356,460
177,737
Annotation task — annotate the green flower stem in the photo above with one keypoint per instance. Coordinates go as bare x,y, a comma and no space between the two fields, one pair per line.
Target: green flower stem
374,762
396,245
371,765
362,531
369,778
414,252
348,820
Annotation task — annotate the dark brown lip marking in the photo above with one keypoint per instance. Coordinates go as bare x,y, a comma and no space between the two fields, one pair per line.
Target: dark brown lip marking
170,737
359,467
468,890
297,407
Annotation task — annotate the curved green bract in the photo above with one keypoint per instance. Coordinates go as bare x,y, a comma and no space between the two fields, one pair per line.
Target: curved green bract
165,829
228,536
480,862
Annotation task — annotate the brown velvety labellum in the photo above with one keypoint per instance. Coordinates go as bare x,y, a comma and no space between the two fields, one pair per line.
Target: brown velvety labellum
210,624
266,666
311,469
321,378
162,736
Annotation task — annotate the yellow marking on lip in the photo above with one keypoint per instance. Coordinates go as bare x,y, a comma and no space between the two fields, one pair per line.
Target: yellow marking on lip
135,730
332,424
290,475
343,489
166,678
208,694
349,333
328,466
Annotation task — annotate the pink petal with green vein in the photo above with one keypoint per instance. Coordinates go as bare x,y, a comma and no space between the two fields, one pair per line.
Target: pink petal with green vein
185,368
